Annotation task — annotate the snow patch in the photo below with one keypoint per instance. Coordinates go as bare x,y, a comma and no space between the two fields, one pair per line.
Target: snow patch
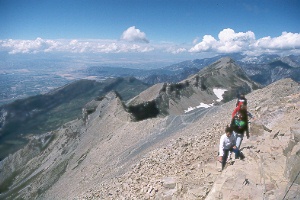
218,92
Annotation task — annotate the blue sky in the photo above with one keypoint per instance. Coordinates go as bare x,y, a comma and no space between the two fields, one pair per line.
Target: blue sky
154,29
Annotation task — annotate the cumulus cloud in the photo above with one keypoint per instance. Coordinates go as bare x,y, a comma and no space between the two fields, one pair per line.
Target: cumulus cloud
285,41
29,46
135,41
134,35
208,43
229,42
245,42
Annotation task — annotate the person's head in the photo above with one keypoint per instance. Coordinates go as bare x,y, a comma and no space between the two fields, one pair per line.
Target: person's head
228,131
243,107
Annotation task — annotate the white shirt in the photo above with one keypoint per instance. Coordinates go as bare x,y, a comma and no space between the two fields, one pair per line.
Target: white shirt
226,143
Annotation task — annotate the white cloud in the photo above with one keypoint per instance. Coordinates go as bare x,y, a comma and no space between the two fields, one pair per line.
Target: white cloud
29,46
208,43
176,50
285,41
74,46
228,41
134,35
244,42
228,35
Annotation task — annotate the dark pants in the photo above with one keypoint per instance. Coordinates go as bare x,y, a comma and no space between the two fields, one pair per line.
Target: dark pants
225,155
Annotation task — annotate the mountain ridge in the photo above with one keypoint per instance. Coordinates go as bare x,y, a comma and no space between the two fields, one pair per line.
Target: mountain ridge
175,98
115,157
110,153
42,113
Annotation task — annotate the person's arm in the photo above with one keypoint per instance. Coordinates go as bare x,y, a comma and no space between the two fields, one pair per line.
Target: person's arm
221,146
250,115
232,124
247,127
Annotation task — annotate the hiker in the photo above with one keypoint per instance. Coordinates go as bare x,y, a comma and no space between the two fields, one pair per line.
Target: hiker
238,108
239,125
227,144
241,100
242,107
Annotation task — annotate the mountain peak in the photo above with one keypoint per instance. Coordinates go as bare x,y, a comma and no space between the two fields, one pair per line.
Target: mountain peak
226,59
225,63
177,98
108,106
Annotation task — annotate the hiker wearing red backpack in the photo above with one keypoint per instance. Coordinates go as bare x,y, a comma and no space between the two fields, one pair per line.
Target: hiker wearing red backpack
241,100
241,104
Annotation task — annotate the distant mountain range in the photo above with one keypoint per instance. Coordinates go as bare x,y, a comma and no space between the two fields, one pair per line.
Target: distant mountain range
182,85
263,69
40,77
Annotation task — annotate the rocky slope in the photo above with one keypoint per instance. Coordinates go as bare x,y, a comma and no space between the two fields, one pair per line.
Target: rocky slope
110,156
176,98
185,167
41,113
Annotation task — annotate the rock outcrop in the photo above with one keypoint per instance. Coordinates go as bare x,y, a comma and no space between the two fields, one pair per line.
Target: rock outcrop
176,98
109,155
186,166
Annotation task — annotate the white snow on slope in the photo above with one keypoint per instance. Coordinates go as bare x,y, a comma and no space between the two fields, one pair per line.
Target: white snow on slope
218,93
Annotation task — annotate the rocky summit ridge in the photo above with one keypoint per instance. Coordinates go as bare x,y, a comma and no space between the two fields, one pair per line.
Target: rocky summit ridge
108,154
184,165
176,98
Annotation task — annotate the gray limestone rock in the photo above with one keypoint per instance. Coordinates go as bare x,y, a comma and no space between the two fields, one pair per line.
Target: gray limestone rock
111,156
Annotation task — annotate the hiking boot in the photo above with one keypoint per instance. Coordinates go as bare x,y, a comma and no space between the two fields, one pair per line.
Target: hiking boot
242,156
